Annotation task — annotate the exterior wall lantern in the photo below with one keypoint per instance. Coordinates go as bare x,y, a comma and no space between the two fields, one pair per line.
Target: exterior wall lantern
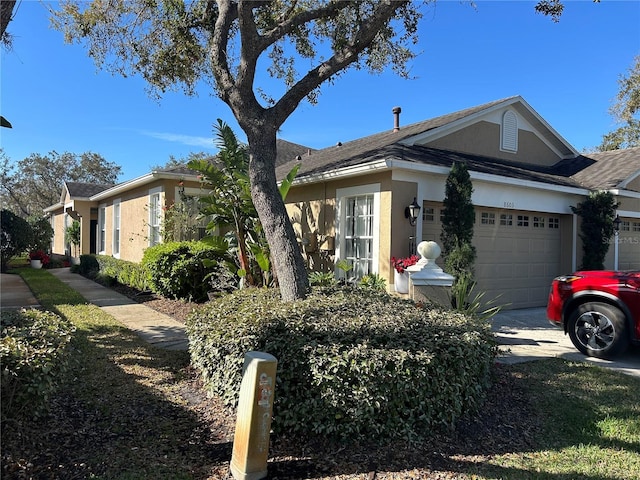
616,225
412,212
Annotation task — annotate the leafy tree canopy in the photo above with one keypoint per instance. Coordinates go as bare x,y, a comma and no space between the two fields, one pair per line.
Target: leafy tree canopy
177,44
625,110
34,183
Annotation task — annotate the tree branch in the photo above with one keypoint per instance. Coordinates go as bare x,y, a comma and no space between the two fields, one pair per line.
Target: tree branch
227,13
339,61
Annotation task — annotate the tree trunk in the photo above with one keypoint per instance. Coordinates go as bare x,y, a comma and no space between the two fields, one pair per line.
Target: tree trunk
287,258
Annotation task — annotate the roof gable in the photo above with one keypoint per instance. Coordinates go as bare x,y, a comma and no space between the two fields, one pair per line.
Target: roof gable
422,133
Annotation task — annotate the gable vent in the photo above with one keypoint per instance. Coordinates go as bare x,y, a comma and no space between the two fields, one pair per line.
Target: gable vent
509,134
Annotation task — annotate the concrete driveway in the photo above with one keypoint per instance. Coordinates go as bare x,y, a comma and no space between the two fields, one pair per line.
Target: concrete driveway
525,335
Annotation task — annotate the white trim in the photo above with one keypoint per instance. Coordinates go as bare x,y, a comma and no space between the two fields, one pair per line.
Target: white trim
102,223
439,132
116,227
152,192
141,181
341,194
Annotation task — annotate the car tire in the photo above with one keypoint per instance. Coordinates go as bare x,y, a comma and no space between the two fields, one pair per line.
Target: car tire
598,330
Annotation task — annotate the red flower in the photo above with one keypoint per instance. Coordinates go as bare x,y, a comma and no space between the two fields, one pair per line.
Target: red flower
400,264
39,255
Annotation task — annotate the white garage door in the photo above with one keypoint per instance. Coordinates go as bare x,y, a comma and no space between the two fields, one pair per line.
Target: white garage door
518,253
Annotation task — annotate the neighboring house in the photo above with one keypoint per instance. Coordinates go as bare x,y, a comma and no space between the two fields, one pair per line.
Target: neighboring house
348,201
123,220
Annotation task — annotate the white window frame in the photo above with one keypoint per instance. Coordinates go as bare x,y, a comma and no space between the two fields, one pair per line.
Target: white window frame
117,222
342,194
102,229
155,218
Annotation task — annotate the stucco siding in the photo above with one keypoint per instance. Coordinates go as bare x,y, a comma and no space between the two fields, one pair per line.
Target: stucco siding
483,138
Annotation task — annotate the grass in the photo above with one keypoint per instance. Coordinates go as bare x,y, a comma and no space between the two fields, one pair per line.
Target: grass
131,411
590,425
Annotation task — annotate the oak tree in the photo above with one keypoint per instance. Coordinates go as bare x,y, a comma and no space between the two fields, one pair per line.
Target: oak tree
178,44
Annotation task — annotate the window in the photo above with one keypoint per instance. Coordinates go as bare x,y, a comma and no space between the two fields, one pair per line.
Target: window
428,214
155,216
636,226
509,132
554,222
523,220
538,222
359,234
488,218
102,229
506,219
625,226
357,227
116,228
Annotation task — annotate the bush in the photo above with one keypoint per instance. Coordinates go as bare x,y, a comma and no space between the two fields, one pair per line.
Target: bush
42,233
132,274
352,362
15,236
33,353
180,269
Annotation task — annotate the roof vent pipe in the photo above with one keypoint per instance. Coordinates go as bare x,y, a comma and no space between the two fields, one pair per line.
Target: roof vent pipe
396,118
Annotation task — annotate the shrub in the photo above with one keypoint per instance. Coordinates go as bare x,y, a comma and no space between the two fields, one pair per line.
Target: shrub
42,233
132,274
352,362
33,353
180,269
15,236
89,266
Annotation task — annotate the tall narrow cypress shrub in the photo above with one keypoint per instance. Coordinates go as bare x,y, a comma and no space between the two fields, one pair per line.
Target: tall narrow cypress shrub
457,225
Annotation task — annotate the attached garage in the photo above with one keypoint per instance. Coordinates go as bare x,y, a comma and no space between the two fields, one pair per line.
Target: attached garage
518,252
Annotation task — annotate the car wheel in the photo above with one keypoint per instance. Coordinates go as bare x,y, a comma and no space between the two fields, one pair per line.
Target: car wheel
598,330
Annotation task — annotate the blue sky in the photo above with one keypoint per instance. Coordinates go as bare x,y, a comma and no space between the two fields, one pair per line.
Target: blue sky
568,72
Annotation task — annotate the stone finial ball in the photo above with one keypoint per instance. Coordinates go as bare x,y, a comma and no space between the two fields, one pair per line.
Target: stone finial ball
430,250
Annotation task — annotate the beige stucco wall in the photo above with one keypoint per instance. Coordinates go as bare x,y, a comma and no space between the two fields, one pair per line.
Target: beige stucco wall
483,138
634,185
312,211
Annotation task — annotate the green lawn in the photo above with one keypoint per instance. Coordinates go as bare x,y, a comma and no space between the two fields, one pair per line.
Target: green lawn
128,411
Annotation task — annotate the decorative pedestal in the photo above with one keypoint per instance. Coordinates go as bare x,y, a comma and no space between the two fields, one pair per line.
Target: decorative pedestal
401,281
428,281
36,263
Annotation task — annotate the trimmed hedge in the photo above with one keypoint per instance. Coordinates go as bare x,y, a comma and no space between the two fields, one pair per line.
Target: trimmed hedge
351,362
124,272
33,354
180,269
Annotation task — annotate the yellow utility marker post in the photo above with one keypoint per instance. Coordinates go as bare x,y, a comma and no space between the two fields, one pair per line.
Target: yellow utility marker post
253,423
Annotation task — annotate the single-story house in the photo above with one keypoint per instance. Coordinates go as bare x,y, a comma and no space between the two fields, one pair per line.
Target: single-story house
348,201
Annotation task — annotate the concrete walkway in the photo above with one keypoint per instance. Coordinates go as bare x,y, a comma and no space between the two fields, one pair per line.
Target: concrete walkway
156,328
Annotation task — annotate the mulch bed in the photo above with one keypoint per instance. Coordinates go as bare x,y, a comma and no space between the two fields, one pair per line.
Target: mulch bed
506,423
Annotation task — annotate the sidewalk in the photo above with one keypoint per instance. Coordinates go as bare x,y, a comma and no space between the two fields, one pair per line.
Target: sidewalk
156,328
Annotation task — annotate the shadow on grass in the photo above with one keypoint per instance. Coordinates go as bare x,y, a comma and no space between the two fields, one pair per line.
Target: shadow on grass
532,409
122,410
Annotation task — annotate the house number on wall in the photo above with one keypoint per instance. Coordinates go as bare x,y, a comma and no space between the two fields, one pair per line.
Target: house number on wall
509,204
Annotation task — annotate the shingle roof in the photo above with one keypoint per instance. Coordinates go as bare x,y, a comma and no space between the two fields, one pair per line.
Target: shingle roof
593,171
359,150
609,169
85,190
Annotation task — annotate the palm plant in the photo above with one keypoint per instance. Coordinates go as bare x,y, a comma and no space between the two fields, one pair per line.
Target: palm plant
229,205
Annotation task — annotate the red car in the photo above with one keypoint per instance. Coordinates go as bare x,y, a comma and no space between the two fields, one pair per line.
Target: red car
600,310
